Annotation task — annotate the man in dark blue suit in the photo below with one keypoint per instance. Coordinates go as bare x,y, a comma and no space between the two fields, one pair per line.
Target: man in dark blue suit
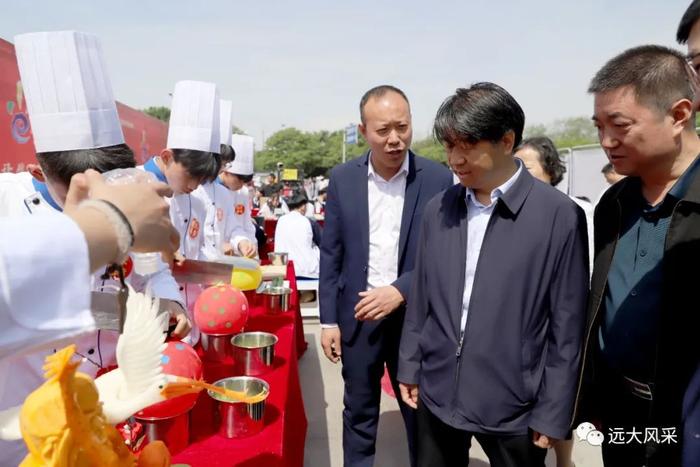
373,208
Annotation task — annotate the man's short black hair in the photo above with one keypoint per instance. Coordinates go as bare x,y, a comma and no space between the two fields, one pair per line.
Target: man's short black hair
273,175
377,92
227,154
549,157
482,112
607,169
60,166
297,200
243,178
201,165
690,17
658,75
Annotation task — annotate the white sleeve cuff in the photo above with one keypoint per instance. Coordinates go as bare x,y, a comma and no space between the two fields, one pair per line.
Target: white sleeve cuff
329,326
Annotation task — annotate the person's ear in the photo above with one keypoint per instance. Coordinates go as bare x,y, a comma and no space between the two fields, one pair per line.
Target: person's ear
36,172
508,141
166,155
363,130
681,114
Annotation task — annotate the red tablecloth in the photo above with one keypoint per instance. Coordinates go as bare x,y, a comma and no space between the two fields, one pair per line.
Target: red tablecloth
281,443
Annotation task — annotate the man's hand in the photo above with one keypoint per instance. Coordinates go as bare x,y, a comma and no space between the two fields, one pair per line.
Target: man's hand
178,258
330,341
227,249
179,316
409,394
141,203
542,441
246,248
378,303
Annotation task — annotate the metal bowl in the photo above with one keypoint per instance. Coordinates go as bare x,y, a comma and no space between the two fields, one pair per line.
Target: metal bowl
276,300
239,419
253,352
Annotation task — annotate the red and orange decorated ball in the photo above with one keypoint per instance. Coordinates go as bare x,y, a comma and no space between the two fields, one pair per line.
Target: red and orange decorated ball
179,359
221,310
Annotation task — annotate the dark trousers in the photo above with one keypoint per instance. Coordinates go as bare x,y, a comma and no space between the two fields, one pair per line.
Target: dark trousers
364,355
440,445
622,415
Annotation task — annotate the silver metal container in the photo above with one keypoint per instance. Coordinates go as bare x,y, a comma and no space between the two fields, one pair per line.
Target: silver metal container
253,352
173,431
276,300
278,258
239,419
217,348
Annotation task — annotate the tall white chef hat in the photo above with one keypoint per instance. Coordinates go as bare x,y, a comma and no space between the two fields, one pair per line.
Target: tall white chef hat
194,117
226,124
68,92
244,146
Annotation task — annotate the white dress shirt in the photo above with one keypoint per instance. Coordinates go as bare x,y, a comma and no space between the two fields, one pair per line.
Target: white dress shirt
478,216
293,235
385,199
385,202
588,211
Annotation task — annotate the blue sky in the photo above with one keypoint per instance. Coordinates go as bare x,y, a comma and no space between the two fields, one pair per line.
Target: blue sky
307,63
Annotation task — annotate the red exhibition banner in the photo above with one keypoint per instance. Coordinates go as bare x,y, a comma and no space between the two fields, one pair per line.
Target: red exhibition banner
144,134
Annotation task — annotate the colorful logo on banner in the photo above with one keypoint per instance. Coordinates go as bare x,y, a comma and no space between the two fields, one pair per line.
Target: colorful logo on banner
19,121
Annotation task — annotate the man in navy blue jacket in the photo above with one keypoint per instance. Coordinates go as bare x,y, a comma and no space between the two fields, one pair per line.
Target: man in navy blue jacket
493,331
373,209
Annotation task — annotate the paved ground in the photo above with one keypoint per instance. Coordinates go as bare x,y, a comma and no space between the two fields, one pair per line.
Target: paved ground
322,387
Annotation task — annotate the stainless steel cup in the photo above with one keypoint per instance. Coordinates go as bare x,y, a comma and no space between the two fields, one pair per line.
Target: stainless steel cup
276,300
217,348
278,258
240,419
173,431
253,352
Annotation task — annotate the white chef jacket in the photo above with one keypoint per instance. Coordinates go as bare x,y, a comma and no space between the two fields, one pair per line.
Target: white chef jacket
44,304
20,196
218,225
188,214
243,228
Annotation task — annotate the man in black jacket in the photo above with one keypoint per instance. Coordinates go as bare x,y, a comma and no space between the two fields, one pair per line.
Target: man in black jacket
643,320
492,337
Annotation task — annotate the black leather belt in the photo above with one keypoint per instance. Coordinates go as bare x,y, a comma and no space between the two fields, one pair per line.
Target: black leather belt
637,388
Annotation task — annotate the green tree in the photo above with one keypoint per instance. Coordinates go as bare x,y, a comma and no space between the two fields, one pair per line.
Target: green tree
566,132
430,149
161,113
314,153
535,130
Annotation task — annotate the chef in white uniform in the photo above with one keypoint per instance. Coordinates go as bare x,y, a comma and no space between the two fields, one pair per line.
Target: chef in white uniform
234,176
219,222
191,158
54,254
72,111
